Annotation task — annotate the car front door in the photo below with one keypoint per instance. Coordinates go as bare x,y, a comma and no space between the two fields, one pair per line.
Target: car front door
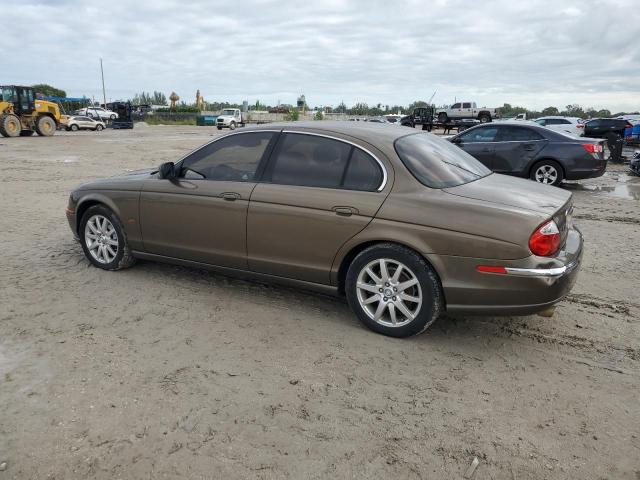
455,110
479,143
515,148
316,193
201,215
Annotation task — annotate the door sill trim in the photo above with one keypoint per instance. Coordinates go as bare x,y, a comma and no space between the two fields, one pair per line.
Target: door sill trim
242,274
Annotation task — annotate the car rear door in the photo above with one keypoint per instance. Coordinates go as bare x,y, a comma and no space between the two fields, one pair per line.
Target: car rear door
479,142
201,215
515,148
316,193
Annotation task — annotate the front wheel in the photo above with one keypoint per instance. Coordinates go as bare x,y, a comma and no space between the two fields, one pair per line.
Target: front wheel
393,291
219,128
103,240
232,125
45,126
74,128
548,172
98,128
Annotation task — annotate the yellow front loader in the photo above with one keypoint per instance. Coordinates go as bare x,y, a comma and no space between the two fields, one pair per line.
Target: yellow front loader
21,113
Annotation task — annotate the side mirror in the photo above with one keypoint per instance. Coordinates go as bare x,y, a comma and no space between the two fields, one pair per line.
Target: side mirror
167,170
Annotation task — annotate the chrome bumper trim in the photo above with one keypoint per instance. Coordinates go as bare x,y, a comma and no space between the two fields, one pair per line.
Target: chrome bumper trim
541,272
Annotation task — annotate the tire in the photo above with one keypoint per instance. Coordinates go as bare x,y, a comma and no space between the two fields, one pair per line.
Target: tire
219,128
10,125
74,128
443,117
232,125
26,133
548,172
99,224
99,128
484,118
45,126
367,302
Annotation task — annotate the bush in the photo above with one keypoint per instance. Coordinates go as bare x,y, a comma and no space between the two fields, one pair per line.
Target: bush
318,116
294,115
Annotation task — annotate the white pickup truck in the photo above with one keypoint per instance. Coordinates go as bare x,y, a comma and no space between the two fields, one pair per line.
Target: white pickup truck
464,110
231,118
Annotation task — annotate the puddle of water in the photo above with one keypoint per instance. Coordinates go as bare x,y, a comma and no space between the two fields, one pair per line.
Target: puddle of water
627,187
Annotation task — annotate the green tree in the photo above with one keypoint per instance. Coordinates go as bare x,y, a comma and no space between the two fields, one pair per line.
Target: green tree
574,110
294,114
48,90
550,111
318,115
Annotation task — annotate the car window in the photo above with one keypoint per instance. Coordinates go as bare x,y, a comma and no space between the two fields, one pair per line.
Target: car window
466,105
363,172
438,163
593,123
484,134
518,134
543,122
233,158
309,160
563,121
455,105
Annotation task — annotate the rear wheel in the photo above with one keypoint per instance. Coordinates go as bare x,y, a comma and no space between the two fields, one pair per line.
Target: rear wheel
98,128
10,125
103,240
548,172
484,118
393,291
45,126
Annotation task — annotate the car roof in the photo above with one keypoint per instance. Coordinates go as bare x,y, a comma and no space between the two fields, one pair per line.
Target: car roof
560,117
371,132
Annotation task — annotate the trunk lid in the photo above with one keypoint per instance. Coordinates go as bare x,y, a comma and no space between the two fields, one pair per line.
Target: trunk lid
552,202
514,192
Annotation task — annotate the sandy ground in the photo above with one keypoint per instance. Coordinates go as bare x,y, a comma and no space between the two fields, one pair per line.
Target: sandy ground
169,372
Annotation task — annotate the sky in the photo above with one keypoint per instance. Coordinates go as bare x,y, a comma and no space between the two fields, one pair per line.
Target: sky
529,53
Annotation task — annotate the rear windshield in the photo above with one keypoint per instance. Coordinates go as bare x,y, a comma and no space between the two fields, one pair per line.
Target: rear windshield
438,163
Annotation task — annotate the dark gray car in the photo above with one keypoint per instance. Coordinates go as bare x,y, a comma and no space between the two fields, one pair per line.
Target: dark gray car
525,149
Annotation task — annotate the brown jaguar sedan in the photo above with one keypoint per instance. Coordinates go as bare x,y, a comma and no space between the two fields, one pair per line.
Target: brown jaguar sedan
404,224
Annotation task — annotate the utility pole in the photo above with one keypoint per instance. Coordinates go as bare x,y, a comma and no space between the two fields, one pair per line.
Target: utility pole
104,93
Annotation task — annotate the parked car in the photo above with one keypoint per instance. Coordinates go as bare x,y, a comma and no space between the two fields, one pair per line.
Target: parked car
571,125
97,112
461,110
420,116
634,165
525,149
353,209
84,123
604,127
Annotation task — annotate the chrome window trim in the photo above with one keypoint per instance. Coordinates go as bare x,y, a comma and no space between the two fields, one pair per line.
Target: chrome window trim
384,170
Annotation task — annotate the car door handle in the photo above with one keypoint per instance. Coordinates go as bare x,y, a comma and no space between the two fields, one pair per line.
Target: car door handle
345,211
230,196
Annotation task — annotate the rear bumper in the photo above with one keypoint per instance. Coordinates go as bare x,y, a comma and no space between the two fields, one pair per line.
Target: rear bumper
529,285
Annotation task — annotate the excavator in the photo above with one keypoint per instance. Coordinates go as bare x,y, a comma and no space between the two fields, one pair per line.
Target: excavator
22,114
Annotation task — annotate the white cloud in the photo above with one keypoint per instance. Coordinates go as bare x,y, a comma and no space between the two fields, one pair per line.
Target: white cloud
534,53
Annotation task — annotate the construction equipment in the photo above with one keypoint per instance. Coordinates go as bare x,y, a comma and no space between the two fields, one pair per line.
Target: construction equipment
21,113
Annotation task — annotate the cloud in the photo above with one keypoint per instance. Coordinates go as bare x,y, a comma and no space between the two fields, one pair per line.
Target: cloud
533,53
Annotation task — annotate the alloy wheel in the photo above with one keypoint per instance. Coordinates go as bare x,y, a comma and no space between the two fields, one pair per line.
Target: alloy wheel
101,239
389,292
546,174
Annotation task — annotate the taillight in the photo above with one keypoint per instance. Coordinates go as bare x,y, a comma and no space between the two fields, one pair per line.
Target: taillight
593,147
580,125
545,241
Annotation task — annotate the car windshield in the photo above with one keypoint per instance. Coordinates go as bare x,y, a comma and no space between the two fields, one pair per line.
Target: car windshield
228,112
437,163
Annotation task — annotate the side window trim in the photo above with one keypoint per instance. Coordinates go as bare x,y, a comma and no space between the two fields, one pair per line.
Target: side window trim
380,164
